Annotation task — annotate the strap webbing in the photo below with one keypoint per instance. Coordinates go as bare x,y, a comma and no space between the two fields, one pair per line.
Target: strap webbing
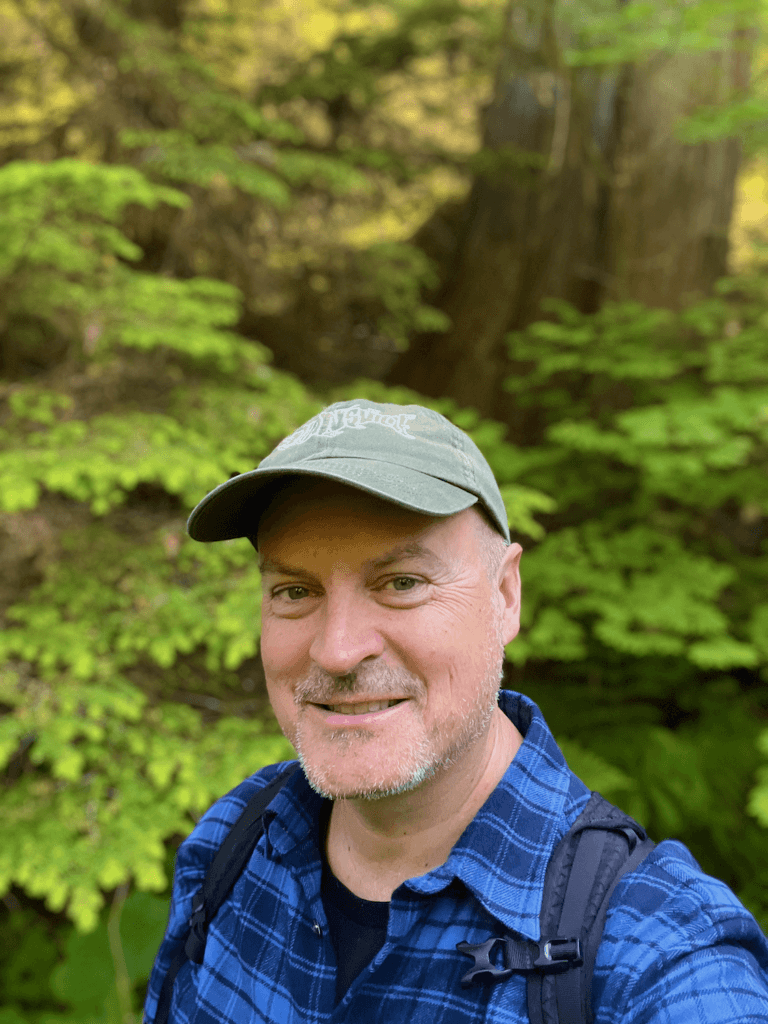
166,992
586,865
229,863
226,867
584,870
592,944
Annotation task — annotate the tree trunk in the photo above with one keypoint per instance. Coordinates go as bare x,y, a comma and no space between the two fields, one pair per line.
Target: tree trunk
583,194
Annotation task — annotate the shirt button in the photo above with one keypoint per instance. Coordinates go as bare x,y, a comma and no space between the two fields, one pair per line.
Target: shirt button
316,928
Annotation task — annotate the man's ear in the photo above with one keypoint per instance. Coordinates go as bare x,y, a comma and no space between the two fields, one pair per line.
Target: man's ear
510,592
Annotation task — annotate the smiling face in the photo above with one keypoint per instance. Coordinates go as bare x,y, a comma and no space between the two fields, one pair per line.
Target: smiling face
382,637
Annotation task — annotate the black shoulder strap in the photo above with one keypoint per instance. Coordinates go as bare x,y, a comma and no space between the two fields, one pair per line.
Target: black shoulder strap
226,867
584,869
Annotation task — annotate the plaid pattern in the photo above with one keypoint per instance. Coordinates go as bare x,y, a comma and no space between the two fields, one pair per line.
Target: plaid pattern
678,947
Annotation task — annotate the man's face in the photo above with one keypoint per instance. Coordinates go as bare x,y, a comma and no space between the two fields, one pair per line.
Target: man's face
382,637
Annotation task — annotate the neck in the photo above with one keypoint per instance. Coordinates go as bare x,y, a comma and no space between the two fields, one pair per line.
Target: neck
375,845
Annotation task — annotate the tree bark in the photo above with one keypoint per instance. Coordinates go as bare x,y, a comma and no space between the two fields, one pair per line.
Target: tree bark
585,195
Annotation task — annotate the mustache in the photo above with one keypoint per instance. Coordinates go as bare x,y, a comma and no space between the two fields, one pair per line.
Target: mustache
374,681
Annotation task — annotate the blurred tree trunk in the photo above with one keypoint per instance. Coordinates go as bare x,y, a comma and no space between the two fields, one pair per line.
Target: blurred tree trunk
582,193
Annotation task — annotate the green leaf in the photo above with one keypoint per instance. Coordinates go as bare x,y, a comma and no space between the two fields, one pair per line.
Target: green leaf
521,503
142,926
598,775
87,976
723,653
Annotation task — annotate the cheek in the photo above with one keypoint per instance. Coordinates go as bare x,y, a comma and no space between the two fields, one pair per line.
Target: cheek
283,661
283,644
456,655
280,688
285,712
450,632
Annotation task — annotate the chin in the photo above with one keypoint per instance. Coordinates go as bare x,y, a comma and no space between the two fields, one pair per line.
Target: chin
334,783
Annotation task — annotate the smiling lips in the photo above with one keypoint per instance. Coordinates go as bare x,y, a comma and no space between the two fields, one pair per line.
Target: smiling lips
361,709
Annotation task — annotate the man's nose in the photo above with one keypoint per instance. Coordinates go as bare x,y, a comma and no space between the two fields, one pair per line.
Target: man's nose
346,635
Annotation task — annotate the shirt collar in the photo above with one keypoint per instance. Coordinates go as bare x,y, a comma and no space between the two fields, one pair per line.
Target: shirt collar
502,855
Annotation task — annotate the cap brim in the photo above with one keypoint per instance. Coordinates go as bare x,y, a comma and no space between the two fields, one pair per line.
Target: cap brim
234,508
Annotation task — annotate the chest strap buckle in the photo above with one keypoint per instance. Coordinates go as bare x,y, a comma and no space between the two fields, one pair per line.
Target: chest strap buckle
548,955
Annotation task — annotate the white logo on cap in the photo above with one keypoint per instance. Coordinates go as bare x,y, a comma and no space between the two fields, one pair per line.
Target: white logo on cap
333,421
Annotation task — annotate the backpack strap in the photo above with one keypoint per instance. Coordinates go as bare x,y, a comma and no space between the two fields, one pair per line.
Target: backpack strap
584,869
583,872
226,867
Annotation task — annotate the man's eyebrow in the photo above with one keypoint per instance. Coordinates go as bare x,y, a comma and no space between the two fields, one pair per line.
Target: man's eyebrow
398,554
281,568
405,551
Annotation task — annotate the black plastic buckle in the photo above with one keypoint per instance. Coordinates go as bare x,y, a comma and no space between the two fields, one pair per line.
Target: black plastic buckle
558,954
483,970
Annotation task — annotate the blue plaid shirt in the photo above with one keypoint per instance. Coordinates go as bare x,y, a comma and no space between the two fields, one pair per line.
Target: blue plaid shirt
678,946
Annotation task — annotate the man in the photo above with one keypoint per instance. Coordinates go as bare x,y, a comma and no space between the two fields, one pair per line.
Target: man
429,802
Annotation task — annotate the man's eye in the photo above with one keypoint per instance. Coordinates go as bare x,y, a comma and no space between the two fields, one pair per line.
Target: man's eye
292,593
403,583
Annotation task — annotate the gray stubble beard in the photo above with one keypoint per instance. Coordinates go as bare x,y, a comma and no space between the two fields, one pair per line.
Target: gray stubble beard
373,679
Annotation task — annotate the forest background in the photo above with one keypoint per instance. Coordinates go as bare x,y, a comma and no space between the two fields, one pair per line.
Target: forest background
544,219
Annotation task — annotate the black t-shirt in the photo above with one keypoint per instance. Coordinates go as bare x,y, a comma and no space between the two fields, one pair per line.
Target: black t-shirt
358,927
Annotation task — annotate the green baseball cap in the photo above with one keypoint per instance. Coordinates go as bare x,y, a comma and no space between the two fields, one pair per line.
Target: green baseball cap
406,454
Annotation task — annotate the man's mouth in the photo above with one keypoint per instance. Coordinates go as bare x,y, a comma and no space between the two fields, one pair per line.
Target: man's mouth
361,709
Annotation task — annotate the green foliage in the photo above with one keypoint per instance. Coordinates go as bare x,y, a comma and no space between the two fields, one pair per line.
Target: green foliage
758,803
31,957
110,779
597,773
63,259
658,436
351,69
396,274
103,460
87,979
744,118
62,219
604,33
221,137
641,591
96,976
113,767
258,169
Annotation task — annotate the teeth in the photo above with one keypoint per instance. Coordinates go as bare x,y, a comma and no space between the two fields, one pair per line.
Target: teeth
361,709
